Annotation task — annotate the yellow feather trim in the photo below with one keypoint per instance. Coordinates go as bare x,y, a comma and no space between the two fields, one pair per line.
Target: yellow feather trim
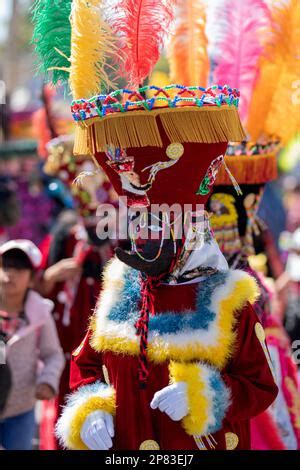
195,423
218,354
92,404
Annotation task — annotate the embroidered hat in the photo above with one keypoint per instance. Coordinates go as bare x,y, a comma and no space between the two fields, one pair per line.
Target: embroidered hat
234,218
155,154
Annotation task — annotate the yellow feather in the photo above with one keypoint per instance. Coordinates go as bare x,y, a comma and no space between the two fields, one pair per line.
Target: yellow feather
275,106
187,50
195,423
92,43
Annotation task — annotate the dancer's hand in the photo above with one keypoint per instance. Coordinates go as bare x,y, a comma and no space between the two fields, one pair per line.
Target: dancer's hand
97,431
172,400
44,392
64,270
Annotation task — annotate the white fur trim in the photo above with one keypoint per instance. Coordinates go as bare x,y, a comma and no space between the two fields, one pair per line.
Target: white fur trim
126,330
205,374
75,400
110,296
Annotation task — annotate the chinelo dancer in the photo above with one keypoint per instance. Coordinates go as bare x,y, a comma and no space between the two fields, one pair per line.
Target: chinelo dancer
73,259
173,358
266,109
241,235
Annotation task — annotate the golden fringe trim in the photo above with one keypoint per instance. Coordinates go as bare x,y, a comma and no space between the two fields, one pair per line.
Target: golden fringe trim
249,169
204,125
82,141
141,128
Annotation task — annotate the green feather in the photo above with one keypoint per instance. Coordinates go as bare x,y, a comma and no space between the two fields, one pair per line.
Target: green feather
52,38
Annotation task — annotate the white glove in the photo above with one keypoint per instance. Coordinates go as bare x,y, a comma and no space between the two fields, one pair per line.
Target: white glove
172,400
97,431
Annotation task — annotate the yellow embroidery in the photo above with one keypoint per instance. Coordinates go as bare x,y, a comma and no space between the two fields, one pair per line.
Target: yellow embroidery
260,333
149,445
231,440
175,150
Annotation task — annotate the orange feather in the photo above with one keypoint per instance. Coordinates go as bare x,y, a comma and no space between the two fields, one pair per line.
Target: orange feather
187,50
275,106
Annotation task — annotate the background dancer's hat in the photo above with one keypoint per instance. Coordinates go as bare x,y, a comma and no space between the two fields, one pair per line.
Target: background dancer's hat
88,184
234,216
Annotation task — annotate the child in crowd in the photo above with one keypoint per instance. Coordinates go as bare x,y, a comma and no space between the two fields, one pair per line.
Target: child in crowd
32,351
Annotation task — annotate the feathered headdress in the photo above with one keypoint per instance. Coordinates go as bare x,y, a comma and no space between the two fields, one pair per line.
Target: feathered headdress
52,38
74,44
290,157
141,27
275,105
92,45
248,22
187,50
43,121
216,30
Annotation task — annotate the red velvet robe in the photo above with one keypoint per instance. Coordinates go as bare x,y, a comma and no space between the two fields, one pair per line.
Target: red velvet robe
247,375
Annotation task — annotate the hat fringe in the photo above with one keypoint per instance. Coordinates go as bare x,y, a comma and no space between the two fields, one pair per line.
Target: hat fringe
207,125
248,169
82,140
140,128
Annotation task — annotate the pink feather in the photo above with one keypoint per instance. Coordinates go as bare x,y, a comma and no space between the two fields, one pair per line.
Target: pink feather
248,23
142,26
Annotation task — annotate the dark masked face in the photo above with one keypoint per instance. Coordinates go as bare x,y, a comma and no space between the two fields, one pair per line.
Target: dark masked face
152,246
